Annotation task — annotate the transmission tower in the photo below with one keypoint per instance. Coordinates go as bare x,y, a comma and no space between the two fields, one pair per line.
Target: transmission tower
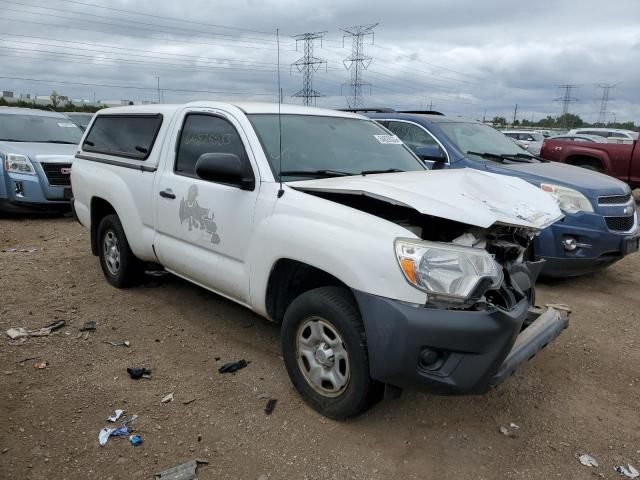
566,100
602,116
308,65
357,62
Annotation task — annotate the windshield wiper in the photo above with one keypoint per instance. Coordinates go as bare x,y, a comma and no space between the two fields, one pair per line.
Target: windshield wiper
315,173
65,142
11,140
386,170
515,157
488,155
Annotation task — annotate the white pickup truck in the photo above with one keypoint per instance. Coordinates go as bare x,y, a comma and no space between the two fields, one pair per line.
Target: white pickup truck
382,273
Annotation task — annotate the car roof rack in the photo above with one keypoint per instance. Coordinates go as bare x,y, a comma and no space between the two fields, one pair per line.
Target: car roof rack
422,112
368,110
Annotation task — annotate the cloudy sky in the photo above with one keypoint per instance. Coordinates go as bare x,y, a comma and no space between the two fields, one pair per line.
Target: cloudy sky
466,57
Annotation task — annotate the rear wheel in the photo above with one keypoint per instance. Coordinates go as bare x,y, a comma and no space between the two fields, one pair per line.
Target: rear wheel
325,351
120,266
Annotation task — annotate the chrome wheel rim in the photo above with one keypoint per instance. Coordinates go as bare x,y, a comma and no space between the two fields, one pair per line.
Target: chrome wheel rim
111,252
322,357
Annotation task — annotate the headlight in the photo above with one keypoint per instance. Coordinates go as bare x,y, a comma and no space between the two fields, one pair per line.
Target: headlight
447,270
569,200
14,162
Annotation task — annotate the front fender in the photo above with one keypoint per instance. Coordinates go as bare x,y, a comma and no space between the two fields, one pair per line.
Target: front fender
355,247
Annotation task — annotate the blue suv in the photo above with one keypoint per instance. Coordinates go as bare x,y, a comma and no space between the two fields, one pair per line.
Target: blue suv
600,225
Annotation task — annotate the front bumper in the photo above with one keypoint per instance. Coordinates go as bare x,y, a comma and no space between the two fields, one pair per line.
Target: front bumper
31,193
603,247
477,350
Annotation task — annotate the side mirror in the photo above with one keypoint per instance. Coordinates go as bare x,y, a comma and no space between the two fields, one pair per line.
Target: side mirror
432,153
225,168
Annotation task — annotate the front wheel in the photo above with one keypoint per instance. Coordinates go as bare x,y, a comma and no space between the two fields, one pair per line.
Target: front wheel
325,351
120,266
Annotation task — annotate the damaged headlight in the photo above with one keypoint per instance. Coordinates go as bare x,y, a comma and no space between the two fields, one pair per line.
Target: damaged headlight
569,200
451,271
16,163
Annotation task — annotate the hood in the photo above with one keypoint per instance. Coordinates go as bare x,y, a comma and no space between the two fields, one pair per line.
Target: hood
41,152
467,196
588,182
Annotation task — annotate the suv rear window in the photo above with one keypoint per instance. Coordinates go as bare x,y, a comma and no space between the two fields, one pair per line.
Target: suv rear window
129,136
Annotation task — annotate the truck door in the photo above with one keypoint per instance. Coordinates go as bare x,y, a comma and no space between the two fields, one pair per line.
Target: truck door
203,228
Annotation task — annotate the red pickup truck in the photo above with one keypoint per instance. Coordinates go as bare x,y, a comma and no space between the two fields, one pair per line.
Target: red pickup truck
619,161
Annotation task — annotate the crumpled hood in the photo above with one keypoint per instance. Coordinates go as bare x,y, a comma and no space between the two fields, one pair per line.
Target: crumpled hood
586,181
42,152
467,196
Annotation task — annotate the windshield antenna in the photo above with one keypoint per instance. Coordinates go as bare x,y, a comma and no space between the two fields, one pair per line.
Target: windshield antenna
280,191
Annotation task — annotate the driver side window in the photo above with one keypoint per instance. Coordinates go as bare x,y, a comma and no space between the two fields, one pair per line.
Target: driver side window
203,133
412,135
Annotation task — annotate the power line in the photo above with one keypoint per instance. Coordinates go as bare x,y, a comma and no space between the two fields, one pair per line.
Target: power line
137,22
114,60
129,34
308,65
132,87
93,5
602,115
357,62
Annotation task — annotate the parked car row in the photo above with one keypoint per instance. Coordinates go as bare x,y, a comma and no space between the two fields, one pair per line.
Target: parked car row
395,249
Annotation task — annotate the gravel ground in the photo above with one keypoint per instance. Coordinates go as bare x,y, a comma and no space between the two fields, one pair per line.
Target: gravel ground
581,394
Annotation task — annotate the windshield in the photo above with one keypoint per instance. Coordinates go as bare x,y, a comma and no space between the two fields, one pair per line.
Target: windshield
80,119
480,138
38,129
331,145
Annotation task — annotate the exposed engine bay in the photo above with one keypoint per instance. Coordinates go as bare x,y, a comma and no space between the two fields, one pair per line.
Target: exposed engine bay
509,245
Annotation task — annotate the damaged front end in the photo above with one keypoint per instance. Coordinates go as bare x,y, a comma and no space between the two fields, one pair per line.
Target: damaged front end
456,264
478,324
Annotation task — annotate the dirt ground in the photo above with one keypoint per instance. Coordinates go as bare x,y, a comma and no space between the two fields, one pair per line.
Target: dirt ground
581,394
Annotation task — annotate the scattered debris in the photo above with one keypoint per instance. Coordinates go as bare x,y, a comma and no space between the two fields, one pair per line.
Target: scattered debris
509,431
14,333
19,250
86,336
122,431
27,359
135,440
217,359
88,326
114,418
137,373
113,343
19,332
628,471
191,400
513,425
185,471
104,435
271,404
167,398
232,367
263,396
41,365
587,460
199,437
5,450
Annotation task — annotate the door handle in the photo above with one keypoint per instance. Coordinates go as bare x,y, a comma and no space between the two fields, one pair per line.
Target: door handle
168,193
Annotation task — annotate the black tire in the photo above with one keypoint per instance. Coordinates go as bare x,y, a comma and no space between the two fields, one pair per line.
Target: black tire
336,307
130,270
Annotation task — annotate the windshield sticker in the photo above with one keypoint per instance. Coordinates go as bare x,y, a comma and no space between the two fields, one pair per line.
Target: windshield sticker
197,218
66,125
388,139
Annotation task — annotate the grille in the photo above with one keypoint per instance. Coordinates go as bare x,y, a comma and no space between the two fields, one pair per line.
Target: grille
620,224
615,199
54,174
